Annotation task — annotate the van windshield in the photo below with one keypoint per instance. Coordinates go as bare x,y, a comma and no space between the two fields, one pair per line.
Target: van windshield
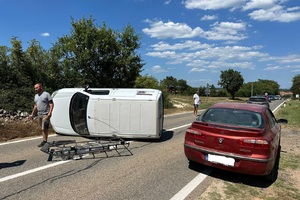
78,116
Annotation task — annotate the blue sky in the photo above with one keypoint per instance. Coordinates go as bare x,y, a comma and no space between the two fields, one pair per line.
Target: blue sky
192,40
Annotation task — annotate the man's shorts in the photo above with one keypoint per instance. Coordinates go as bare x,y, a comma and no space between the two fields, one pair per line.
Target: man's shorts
196,105
44,122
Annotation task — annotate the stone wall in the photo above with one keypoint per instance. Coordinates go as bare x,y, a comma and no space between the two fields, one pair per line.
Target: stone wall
6,116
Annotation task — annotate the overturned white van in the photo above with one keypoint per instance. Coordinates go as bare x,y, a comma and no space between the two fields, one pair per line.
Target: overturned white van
107,112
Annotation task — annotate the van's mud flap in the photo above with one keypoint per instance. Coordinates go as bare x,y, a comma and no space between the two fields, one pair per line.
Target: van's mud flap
70,149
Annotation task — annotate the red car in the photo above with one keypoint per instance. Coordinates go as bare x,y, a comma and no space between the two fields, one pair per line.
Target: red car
238,137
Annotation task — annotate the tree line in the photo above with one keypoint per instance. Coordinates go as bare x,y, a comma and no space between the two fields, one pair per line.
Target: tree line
96,56
90,55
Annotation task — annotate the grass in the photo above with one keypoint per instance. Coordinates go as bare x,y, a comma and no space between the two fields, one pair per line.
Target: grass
291,112
185,103
20,129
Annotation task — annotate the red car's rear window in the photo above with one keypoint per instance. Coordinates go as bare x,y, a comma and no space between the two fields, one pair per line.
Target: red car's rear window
236,117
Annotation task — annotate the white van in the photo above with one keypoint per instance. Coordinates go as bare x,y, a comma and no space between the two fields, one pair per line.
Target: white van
107,112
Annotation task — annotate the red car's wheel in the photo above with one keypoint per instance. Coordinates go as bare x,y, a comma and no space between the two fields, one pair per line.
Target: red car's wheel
274,173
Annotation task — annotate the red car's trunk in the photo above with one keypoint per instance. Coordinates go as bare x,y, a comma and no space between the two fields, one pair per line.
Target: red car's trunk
222,139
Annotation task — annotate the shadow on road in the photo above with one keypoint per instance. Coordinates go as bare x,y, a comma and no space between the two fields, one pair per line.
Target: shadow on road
166,135
254,181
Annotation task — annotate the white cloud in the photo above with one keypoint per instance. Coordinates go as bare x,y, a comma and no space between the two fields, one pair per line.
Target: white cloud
209,17
242,65
226,31
45,34
157,69
229,31
274,68
290,59
210,52
262,10
189,44
170,29
276,13
212,4
255,4
272,10
165,54
198,70
197,63
168,1
210,57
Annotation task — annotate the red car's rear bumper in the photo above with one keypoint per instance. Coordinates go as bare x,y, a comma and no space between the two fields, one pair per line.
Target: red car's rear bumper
242,164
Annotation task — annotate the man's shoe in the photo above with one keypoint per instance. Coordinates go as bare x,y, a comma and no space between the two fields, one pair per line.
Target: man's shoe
42,144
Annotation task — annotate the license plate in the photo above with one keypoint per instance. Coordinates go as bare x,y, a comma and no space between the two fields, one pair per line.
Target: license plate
220,159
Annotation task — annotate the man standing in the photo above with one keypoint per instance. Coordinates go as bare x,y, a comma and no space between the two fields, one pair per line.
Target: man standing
43,106
196,102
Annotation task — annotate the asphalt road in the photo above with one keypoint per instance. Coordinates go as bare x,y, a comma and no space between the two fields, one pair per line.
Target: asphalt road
156,170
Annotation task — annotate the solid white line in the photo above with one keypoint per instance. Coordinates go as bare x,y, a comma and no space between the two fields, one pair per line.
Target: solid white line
184,192
24,140
172,129
32,171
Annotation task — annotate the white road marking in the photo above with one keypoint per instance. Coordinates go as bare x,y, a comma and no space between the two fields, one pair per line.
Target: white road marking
24,140
32,171
184,192
172,129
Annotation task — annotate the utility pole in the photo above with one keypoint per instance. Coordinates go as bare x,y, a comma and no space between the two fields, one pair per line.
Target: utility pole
251,88
207,91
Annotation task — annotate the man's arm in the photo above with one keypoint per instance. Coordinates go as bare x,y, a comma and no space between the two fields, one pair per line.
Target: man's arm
33,111
51,104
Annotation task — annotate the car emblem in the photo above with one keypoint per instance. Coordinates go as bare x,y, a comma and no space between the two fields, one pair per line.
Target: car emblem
221,140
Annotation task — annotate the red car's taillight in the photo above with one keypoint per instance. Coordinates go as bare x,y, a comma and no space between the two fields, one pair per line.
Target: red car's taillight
254,143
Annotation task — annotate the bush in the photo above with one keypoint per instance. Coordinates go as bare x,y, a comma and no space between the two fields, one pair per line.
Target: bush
167,102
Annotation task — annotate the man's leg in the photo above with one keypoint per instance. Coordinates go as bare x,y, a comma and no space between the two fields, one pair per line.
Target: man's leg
45,135
45,127
44,124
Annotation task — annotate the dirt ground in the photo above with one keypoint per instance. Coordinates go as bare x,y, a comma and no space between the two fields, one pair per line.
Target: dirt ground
286,187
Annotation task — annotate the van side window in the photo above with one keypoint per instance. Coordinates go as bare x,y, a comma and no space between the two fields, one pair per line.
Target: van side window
98,92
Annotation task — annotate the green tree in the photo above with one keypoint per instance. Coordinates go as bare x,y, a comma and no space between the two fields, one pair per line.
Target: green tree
201,90
4,67
37,59
6,78
17,92
146,82
231,80
170,84
99,56
213,91
296,85
183,87
19,65
265,86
